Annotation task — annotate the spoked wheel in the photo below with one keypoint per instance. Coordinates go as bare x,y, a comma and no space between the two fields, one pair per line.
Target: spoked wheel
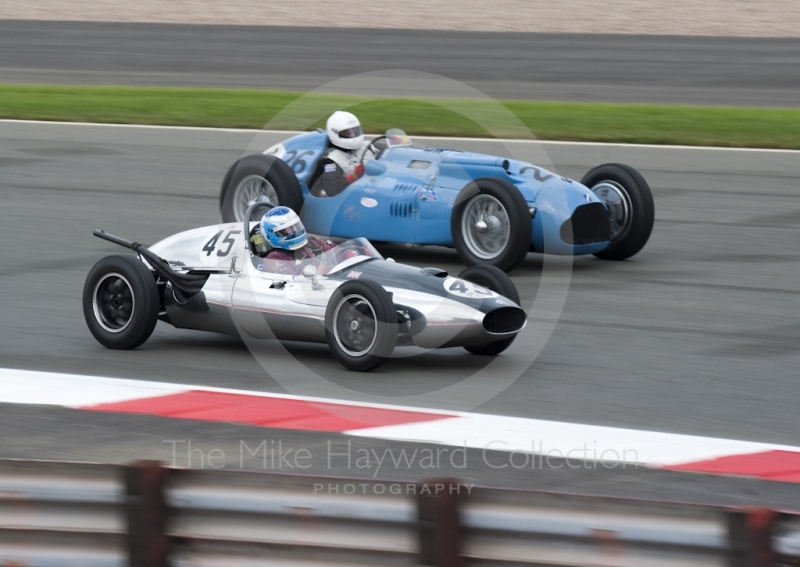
258,178
498,281
120,302
250,190
491,224
485,226
361,325
629,201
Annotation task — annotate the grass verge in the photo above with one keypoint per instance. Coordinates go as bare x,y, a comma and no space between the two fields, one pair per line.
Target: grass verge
632,123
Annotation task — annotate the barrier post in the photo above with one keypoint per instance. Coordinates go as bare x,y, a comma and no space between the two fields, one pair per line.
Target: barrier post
146,513
439,527
750,536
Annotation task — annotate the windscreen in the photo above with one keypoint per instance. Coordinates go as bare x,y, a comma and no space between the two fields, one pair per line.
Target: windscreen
347,253
396,138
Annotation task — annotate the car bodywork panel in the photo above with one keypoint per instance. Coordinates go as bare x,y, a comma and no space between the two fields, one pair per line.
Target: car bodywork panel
241,296
412,199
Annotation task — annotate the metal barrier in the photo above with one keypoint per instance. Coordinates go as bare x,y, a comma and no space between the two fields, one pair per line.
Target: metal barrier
146,515
62,514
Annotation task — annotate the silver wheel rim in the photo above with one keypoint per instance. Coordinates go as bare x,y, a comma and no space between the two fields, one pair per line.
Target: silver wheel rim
618,203
355,325
252,189
486,227
113,302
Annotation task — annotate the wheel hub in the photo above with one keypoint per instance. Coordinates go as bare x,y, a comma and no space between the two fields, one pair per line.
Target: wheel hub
487,224
355,325
618,203
486,227
113,303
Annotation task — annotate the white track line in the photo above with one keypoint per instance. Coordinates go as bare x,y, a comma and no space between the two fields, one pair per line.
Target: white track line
574,441
74,390
455,138
70,390
460,429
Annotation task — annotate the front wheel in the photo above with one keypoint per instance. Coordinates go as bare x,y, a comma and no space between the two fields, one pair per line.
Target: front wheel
491,224
120,302
498,281
258,178
629,201
361,325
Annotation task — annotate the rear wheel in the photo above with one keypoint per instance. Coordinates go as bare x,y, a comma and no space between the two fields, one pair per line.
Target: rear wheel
629,201
258,178
498,281
120,302
491,224
361,325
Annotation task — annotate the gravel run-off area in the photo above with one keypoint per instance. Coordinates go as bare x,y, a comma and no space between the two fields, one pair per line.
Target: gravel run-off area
770,18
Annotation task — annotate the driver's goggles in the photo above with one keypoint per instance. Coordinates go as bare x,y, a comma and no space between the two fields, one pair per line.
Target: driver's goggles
353,132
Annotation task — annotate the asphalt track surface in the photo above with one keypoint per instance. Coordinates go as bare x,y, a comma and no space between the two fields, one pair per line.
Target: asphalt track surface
697,334
546,66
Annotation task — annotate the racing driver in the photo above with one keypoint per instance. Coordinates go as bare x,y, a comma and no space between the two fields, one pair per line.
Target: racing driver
342,162
281,236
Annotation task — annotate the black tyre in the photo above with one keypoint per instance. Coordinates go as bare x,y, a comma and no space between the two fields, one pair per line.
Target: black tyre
491,224
258,177
361,325
629,200
497,280
120,302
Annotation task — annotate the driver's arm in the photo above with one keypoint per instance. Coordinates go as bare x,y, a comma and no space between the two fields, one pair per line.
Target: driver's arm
280,255
357,172
319,246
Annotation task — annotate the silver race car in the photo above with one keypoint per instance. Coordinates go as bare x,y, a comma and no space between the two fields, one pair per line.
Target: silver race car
361,304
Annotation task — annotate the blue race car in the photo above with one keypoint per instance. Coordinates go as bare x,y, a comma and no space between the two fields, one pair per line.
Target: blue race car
492,210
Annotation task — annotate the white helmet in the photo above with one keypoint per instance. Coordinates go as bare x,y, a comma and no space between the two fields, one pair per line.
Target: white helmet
344,130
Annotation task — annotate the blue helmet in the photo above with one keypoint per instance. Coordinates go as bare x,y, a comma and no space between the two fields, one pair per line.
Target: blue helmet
283,229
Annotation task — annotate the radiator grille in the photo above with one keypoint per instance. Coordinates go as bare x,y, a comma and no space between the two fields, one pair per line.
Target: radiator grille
589,223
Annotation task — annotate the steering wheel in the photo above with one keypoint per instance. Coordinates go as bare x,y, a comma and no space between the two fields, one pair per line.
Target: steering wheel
376,149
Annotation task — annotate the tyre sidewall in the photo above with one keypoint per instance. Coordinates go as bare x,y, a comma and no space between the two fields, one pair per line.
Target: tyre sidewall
274,170
642,208
146,303
492,278
385,313
519,242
